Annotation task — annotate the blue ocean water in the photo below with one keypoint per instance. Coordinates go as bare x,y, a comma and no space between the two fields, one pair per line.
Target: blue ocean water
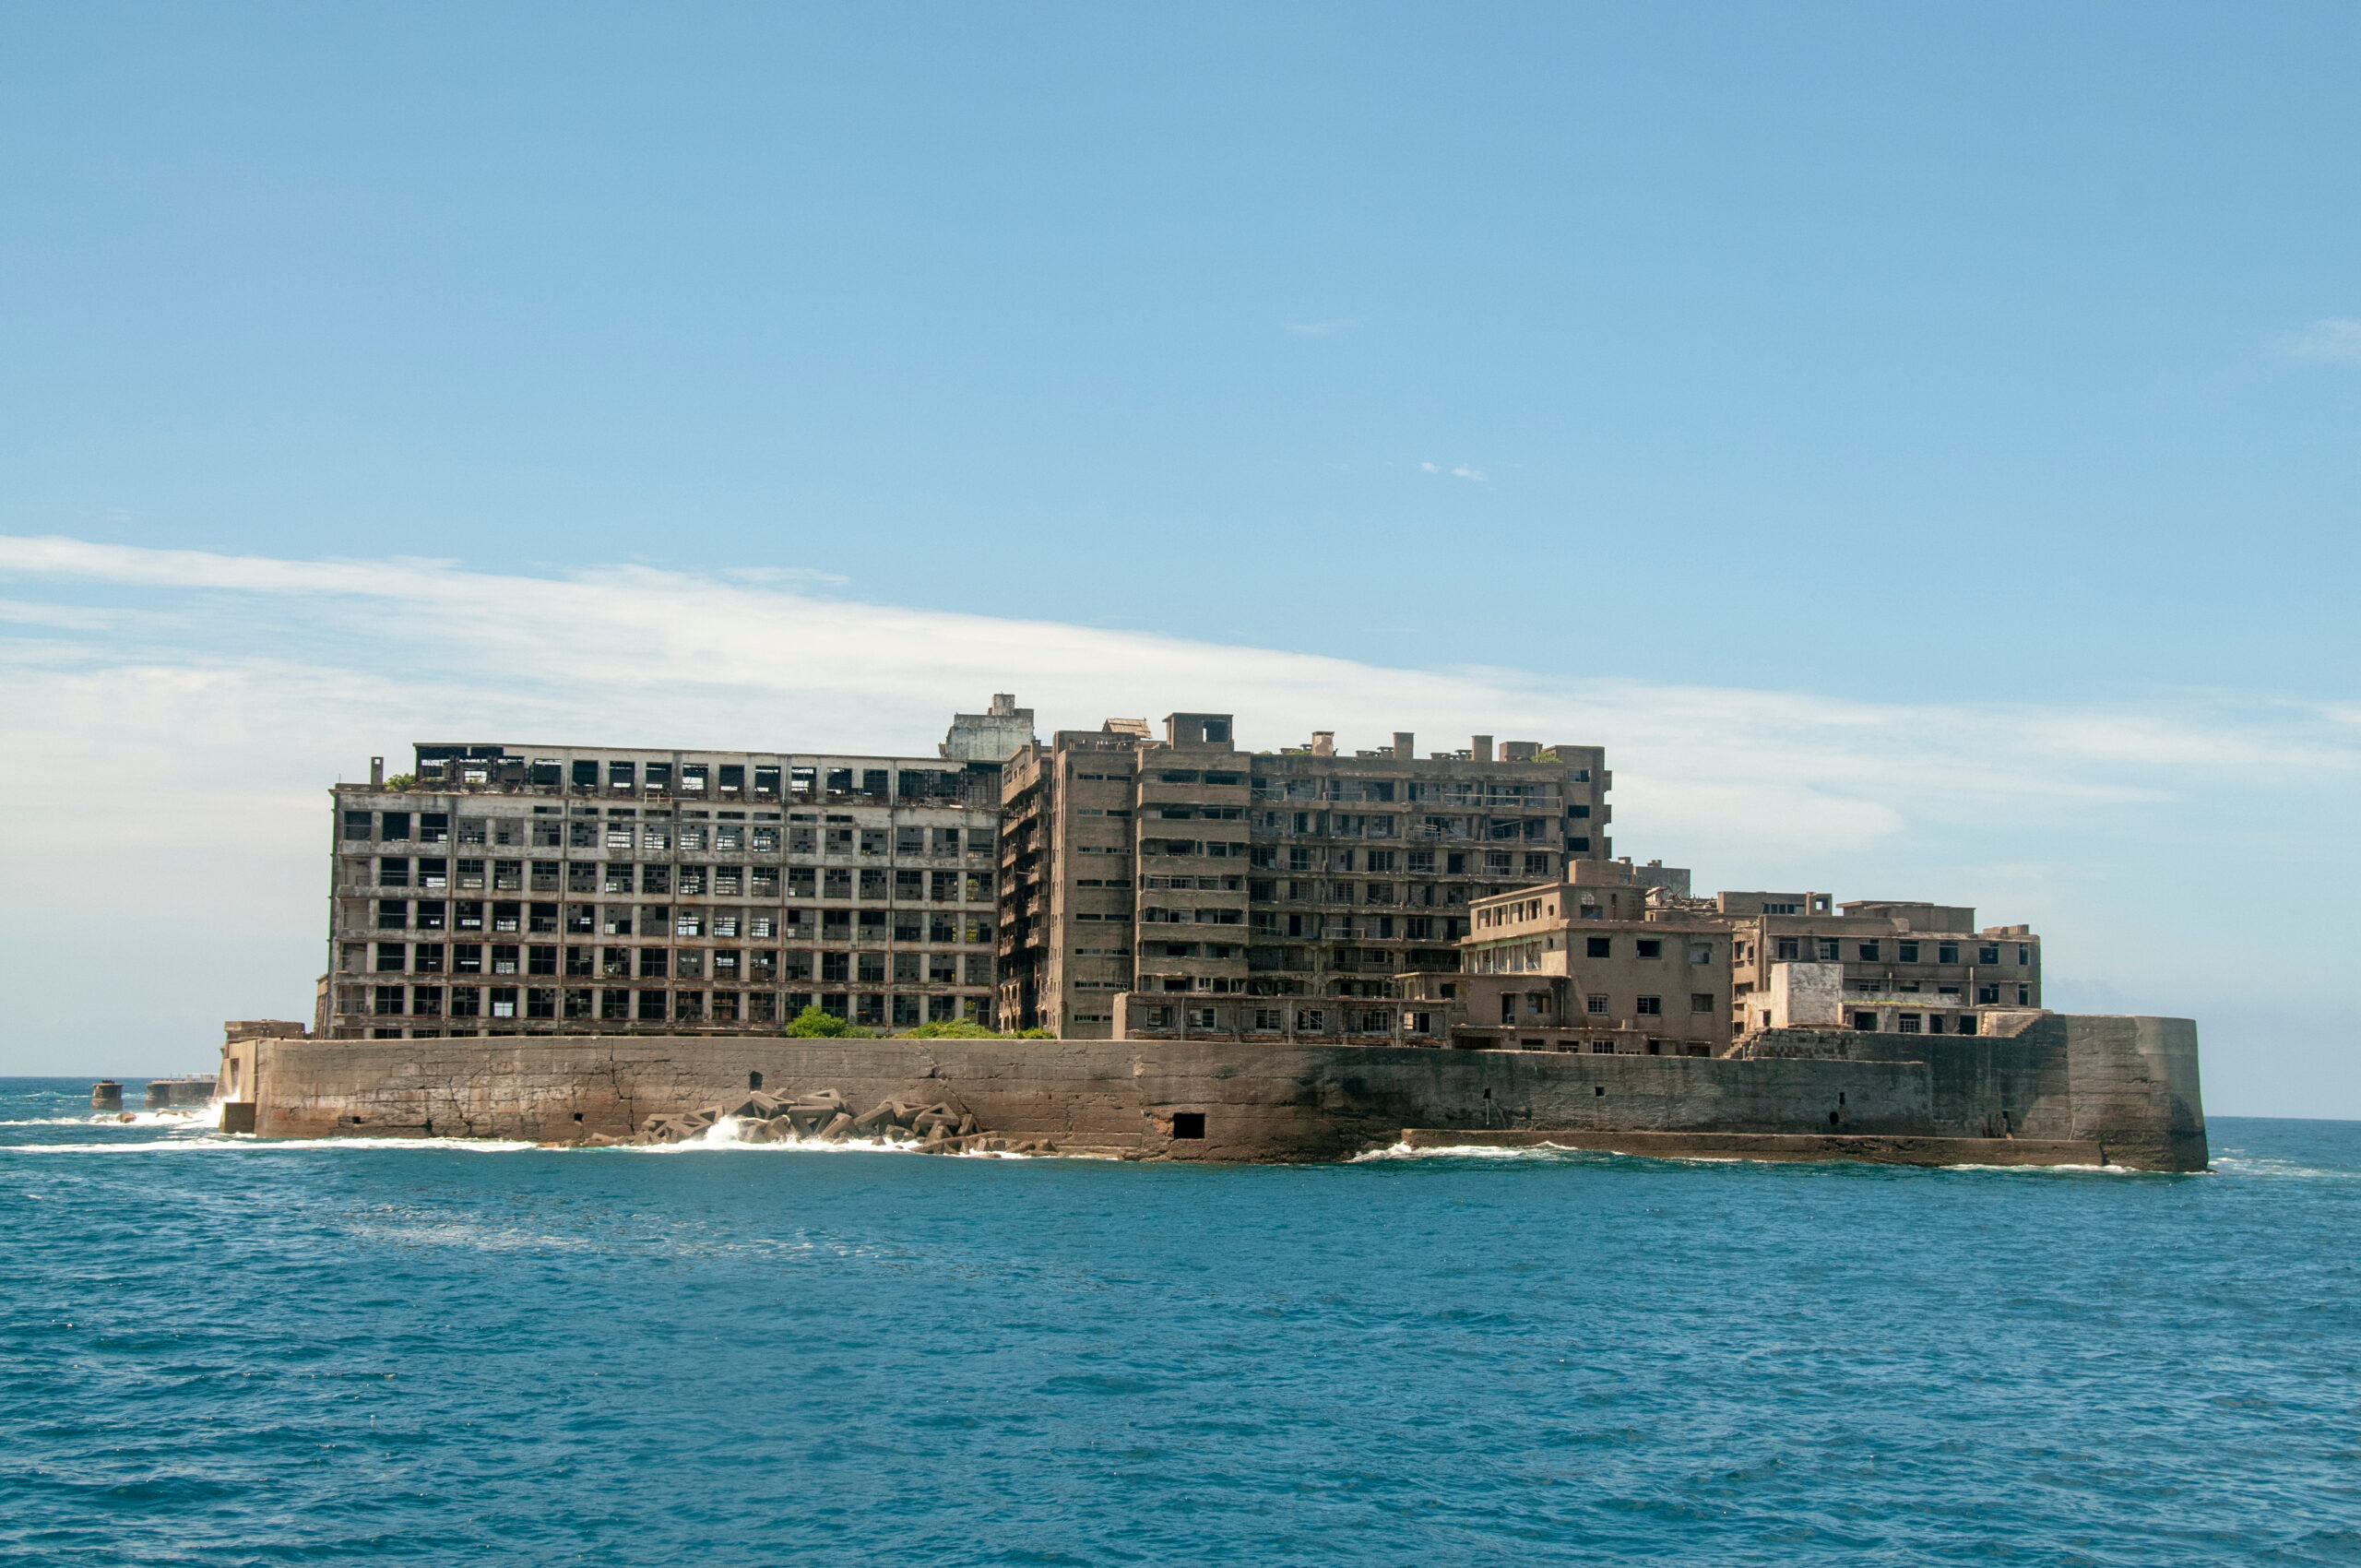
216,1351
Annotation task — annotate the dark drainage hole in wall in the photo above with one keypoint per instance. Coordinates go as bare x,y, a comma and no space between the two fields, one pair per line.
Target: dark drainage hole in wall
1188,1123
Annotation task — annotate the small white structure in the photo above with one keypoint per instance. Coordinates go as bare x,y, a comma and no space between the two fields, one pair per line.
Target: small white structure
1800,996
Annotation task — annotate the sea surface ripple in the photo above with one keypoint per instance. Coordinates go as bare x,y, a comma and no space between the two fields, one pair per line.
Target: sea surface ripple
218,1352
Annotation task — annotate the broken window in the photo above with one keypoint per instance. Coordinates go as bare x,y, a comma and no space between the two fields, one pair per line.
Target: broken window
875,783
692,777
836,967
872,883
467,1002
506,916
390,999
467,957
393,871
1599,947
655,836
840,781
688,964
356,825
472,831
393,914
581,961
1908,953
505,958
427,957
654,962
426,1001
586,775
692,881
659,775
652,1006
508,877
655,879
545,874
871,968
615,963
1788,949
540,960
622,774
1947,953
1868,952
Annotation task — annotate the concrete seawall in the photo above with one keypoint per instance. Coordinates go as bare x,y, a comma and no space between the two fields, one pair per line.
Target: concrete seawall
2125,1086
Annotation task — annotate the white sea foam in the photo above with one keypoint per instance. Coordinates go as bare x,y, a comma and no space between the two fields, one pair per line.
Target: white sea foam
218,1142
2282,1170
191,1117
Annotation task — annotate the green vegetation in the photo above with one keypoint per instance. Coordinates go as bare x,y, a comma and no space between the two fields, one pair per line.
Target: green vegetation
962,1029
400,782
812,1024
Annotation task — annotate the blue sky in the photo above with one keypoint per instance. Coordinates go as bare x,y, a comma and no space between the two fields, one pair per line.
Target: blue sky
1971,392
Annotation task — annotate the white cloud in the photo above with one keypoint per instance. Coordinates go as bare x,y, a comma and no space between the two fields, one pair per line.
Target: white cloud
2335,338
1464,471
1336,327
163,758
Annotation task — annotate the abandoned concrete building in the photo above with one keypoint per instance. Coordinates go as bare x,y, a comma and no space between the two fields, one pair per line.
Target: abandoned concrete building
511,888
1545,970
1225,891
1110,884
1906,967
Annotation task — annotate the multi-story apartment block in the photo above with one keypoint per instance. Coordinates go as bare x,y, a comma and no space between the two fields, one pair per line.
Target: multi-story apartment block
1908,967
1186,873
519,888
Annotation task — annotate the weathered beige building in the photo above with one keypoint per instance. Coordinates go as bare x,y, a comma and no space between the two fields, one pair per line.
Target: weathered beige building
1222,892
1908,967
532,888
1562,966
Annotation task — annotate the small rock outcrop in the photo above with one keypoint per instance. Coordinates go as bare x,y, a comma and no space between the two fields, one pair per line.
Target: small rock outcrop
825,1117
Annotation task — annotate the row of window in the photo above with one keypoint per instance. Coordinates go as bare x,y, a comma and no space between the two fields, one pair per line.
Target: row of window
725,780
1600,1004
687,837
1435,829
655,1006
1346,928
1908,1023
1526,956
664,963
686,919
1829,949
1305,1020
433,874
1449,793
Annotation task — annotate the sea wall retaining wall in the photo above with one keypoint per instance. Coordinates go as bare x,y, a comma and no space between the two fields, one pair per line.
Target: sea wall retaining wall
2129,1085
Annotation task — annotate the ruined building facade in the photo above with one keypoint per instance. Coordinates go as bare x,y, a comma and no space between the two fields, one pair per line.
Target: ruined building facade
1222,891
531,888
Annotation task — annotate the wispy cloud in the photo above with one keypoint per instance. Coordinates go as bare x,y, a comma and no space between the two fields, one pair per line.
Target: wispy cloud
2333,339
1335,326
249,683
1457,470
